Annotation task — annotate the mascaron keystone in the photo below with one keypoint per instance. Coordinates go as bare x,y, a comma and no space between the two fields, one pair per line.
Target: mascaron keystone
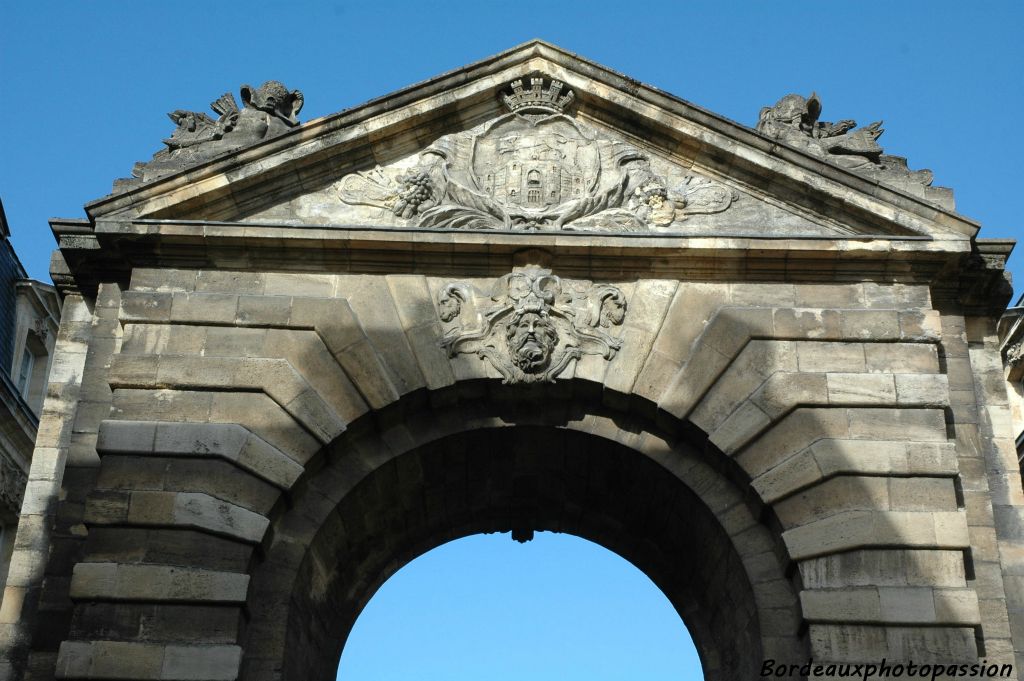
532,324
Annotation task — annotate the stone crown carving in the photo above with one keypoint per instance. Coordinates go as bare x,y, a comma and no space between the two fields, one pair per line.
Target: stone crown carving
537,99
535,168
532,324
794,119
266,111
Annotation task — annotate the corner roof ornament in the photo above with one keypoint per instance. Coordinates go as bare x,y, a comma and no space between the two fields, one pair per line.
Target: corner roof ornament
794,119
267,111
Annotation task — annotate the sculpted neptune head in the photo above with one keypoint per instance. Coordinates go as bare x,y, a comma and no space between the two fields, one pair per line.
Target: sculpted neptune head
531,338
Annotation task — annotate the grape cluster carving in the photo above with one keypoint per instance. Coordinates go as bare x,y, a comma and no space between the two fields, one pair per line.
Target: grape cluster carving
415,194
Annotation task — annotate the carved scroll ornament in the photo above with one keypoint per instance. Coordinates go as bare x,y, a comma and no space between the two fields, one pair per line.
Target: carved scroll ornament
535,168
532,324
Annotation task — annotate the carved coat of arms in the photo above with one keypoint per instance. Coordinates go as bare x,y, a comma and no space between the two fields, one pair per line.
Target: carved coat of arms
532,324
535,168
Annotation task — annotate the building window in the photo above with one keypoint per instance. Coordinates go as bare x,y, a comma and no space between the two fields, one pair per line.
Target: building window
31,378
25,373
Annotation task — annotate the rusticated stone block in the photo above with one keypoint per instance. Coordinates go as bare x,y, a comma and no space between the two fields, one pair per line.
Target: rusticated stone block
111,581
831,357
817,324
109,660
184,509
124,660
198,662
857,529
197,307
862,643
901,358
885,567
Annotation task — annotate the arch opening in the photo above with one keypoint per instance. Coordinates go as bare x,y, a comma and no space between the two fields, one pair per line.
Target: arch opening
557,607
687,525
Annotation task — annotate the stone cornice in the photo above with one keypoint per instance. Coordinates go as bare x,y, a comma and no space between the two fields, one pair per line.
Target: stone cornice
978,283
109,252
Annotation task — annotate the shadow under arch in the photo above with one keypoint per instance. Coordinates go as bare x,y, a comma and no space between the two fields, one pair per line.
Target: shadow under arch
481,457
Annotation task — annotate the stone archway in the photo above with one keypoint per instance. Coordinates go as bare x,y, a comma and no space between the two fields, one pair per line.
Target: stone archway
521,462
804,356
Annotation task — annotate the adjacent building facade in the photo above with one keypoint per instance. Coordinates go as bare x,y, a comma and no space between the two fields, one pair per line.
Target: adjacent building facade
530,295
29,317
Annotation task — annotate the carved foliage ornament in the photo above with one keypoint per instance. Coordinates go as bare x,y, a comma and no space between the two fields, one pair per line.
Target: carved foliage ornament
532,324
535,168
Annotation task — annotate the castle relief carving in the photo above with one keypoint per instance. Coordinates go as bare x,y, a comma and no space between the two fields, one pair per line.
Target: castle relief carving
535,168
531,324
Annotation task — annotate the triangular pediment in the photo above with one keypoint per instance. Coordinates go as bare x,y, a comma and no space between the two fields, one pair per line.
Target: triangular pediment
535,139
545,171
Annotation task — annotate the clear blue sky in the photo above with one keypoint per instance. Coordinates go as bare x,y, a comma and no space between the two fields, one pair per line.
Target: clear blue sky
89,83
486,608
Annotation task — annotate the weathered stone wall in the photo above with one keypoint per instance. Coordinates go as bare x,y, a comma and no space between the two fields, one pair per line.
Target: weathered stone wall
22,614
272,446
284,372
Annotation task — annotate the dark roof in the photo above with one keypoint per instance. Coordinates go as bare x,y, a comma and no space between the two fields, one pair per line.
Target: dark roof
4,231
